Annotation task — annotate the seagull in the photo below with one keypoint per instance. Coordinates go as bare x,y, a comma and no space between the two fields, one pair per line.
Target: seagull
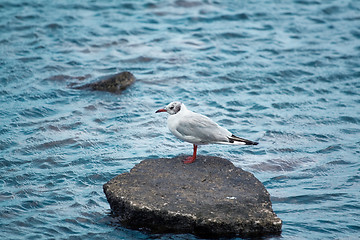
198,129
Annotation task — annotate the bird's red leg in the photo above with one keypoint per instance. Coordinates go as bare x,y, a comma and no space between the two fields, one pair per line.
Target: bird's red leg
191,159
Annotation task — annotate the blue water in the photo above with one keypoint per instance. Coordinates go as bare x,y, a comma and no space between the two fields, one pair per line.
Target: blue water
283,73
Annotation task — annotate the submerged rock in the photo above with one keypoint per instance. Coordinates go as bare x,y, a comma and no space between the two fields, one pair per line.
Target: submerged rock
115,83
209,198
63,77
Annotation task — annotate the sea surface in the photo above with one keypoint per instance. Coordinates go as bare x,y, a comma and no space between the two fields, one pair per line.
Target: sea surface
283,73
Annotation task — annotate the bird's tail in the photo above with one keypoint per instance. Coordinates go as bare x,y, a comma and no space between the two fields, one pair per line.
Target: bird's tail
240,141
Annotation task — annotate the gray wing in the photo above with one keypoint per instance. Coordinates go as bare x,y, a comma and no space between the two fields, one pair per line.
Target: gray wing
203,129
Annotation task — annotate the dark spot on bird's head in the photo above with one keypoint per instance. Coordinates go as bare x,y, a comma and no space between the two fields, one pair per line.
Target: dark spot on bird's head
173,107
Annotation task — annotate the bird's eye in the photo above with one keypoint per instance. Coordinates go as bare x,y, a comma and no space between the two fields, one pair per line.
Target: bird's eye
172,107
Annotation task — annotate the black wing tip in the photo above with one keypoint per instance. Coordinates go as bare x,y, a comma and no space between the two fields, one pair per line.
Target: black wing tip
247,142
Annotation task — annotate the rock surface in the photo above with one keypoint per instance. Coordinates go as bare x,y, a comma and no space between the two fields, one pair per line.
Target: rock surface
115,83
209,198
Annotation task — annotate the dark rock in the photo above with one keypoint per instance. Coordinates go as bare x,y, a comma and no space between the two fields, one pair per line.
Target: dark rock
115,83
209,198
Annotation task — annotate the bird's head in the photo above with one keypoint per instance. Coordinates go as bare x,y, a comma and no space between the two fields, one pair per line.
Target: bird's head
171,108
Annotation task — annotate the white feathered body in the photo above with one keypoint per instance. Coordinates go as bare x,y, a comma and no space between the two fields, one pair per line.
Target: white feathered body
199,129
